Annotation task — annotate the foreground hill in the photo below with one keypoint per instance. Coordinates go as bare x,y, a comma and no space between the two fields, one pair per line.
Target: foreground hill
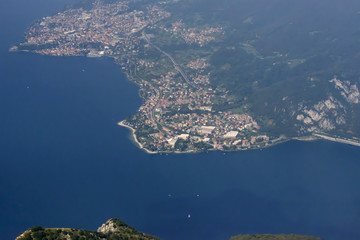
115,229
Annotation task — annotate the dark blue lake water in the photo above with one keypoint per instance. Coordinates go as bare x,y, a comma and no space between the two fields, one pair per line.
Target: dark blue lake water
65,163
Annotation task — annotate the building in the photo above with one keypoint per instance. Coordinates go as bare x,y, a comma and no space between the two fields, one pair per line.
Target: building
231,134
206,130
172,141
183,136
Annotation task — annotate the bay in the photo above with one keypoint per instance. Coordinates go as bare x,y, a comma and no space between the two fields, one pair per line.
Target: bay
65,163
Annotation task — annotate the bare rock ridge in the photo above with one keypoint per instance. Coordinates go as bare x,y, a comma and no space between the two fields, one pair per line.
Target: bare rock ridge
115,229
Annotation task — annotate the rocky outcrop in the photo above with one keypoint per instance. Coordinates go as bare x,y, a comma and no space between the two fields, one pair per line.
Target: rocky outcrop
325,115
349,91
108,227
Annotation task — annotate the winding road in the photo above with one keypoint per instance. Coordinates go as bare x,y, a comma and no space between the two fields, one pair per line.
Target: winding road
176,65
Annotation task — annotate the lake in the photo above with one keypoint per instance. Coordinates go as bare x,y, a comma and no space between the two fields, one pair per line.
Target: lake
64,162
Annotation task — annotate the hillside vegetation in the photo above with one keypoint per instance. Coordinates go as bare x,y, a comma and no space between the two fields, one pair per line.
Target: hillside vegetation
115,229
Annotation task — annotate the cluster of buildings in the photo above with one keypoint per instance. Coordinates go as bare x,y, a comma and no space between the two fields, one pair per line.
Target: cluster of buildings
199,64
97,32
178,113
193,35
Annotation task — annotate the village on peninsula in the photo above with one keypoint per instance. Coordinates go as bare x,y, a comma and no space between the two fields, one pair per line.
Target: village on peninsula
180,110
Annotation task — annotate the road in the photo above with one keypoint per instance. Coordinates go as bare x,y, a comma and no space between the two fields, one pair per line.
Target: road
157,97
176,65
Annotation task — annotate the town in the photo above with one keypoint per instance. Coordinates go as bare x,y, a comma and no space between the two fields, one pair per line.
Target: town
178,113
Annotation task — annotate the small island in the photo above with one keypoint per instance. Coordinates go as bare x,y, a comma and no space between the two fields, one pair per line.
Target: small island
186,70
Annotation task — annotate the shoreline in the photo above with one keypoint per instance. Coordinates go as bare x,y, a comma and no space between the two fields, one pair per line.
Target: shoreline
306,138
337,139
313,137
134,138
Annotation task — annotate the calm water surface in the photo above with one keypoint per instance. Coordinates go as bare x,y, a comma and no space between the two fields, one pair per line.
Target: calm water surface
64,162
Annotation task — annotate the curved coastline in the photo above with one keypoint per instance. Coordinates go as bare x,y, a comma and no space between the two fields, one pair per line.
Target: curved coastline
134,138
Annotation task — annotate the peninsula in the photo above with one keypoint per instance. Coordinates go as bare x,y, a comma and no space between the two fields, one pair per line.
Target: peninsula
187,67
